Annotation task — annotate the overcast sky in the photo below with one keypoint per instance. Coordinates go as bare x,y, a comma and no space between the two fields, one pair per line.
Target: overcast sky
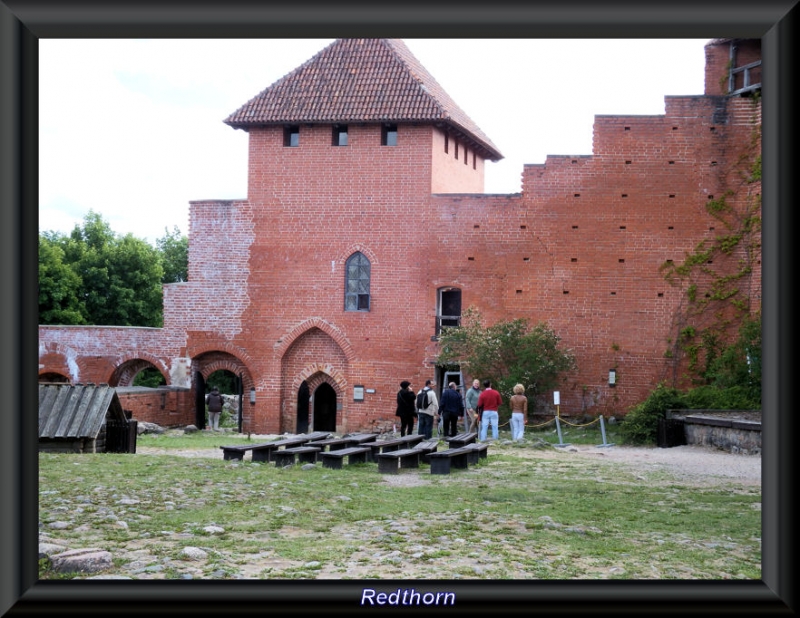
133,128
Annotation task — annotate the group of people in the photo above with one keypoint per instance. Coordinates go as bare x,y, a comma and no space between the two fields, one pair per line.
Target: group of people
479,408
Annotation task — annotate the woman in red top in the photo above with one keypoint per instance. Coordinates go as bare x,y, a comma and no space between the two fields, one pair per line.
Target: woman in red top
488,404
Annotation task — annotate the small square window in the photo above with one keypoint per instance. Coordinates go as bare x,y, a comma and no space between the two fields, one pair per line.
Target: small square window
291,136
340,135
389,135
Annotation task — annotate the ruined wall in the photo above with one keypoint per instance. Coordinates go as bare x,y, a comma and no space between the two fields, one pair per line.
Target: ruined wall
168,407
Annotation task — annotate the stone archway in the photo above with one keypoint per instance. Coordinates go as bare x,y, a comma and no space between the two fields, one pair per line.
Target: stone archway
125,373
211,361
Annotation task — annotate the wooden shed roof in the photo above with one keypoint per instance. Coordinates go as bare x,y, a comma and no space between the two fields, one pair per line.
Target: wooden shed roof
76,410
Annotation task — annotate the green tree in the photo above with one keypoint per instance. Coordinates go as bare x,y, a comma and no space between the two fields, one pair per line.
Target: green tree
58,282
508,353
149,377
115,280
174,250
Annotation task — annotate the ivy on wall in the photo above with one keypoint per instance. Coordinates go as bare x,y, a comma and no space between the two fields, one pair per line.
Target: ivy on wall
717,276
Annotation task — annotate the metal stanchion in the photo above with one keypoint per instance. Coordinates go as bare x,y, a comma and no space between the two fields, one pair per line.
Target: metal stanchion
561,443
603,432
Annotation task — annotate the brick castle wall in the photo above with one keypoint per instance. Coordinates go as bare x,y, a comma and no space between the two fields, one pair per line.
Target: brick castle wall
580,248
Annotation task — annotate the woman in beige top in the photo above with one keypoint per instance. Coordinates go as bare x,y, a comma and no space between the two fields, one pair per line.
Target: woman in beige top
519,412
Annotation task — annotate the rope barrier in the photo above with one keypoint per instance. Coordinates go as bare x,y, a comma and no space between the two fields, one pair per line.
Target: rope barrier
558,420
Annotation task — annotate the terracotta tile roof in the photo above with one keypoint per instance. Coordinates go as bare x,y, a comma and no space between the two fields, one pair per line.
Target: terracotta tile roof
361,80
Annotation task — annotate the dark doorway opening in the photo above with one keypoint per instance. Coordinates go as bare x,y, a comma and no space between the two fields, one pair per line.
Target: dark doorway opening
303,400
325,408
200,400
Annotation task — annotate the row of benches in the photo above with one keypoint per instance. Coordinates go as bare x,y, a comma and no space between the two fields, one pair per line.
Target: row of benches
391,455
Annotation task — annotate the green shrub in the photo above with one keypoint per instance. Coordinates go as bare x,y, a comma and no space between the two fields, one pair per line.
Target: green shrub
712,398
641,423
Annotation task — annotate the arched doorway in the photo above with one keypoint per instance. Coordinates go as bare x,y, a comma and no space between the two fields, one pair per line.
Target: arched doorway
53,378
303,399
324,408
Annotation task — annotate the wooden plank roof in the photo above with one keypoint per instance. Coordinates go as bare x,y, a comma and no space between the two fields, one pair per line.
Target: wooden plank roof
361,80
76,410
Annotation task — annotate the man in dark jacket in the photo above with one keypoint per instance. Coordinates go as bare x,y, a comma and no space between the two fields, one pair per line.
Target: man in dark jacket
406,408
214,401
451,409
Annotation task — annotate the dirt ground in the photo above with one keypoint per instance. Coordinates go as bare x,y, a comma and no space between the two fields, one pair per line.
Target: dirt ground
699,463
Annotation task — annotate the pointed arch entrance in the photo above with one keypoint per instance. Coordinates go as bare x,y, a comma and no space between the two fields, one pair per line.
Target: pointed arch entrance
315,359
324,408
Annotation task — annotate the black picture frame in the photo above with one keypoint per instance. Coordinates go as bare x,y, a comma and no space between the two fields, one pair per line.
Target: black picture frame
24,22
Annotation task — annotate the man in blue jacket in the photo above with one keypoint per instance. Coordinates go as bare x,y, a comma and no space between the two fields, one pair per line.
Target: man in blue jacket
451,409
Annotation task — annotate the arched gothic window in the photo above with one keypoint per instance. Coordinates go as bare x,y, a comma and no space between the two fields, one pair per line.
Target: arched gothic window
356,294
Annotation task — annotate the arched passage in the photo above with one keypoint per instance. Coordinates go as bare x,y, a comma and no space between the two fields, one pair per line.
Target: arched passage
233,371
324,408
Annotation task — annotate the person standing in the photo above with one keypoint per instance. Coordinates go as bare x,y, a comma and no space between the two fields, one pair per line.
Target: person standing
427,409
471,401
214,401
452,409
488,405
519,412
406,408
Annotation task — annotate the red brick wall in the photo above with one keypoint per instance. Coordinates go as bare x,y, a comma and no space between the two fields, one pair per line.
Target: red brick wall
450,173
580,249
165,407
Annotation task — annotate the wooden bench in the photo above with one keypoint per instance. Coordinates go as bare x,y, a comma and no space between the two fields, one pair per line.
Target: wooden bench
360,438
461,439
426,448
395,444
479,450
355,454
237,451
318,435
390,461
442,461
304,454
332,444
263,451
